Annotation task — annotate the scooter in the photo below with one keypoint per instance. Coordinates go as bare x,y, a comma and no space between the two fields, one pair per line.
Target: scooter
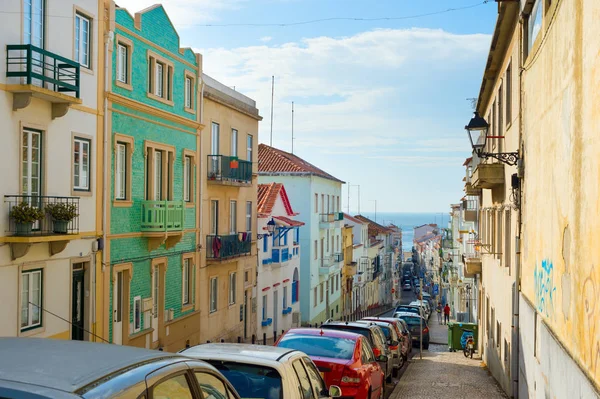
469,347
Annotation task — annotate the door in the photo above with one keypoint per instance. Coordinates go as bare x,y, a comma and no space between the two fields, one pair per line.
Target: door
118,309
245,315
31,168
77,305
214,150
155,301
33,32
158,172
275,309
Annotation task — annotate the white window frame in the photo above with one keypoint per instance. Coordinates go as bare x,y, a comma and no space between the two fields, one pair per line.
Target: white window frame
137,304
79,166
159,71
234,142
285,301
232,217
214,294
265,310
249,149
83,40
248,216
232,288
187,178
30,298
188,92
122,62
187,277
121,171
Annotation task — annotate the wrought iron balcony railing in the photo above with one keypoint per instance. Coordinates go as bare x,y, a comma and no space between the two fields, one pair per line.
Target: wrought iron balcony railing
228,246
339,257
42,68
162,216
30,215
227,169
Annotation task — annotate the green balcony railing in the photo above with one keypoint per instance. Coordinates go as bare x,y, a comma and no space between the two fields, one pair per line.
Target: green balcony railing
228,246
229,169
162,216
42,68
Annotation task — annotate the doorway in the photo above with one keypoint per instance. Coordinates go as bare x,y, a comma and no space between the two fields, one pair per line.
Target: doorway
78,302
245,315
118,309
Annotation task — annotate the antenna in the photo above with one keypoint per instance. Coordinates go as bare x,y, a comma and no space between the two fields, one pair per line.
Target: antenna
272,92
292,127
473,101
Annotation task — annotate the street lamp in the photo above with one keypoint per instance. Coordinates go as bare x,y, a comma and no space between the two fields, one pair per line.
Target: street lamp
270,229
478,135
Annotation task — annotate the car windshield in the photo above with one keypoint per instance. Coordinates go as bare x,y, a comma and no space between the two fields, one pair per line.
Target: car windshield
356,330
312,345
251,381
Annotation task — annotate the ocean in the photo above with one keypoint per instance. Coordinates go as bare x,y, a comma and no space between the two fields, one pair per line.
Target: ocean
407,221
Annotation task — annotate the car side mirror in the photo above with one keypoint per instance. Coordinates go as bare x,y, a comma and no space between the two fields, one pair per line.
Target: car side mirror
382,358
335,391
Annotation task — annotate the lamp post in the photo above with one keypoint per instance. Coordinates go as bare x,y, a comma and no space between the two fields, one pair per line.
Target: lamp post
270,230
478,135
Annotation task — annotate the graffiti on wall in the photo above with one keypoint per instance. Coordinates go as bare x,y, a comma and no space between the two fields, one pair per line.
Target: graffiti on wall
544,287
591,343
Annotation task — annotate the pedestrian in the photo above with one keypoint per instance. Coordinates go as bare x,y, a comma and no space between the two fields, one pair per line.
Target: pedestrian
446,314
439,312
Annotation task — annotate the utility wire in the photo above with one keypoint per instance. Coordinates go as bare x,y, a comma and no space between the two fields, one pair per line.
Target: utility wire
307,22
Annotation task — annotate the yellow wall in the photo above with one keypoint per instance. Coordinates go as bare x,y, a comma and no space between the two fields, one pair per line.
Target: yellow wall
560,273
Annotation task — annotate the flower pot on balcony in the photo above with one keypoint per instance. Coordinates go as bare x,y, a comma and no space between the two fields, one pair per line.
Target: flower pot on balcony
60,226
23,229
234,164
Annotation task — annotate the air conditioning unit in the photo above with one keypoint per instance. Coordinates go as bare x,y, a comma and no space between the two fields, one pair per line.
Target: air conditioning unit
296,319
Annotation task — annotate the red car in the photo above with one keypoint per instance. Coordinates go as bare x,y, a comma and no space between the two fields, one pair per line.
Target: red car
400,331
344,359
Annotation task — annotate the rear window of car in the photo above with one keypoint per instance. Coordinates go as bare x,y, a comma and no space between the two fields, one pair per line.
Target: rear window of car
312,345
356,330
251,381
386,332
411,321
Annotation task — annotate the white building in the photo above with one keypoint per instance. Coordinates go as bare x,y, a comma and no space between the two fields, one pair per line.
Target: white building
278,280
317,199
51,111
363,276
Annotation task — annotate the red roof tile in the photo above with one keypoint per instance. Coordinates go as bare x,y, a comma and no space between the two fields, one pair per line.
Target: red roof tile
353,219
267,196
374,228
288,221
273,160
468,161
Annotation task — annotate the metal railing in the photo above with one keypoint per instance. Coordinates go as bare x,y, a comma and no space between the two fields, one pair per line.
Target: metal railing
339,257
228,246
159,216
46,225
231,169
42,68
332,217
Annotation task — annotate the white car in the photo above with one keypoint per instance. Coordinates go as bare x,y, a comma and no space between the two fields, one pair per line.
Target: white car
268,372
423,305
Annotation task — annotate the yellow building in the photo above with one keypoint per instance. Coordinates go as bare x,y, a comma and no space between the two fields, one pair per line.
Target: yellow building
348,272
227,273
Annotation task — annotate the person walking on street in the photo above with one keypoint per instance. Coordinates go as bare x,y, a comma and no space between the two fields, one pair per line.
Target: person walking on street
439,312
446,314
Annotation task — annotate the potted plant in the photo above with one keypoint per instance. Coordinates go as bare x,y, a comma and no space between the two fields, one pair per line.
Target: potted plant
24,216
62,213
233,163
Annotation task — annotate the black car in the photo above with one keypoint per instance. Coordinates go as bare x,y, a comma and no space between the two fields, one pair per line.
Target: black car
415,323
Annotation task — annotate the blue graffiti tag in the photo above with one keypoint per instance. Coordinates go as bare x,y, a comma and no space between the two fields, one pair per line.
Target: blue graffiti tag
544,288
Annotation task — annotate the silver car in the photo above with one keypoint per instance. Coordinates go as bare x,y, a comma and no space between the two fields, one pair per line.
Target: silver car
393,342
48,368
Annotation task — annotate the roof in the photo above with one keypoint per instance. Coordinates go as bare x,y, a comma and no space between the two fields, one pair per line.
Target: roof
353,219
230,351
287,221
468,161
373,242
324,332
272,161
66,365
375,228
267,196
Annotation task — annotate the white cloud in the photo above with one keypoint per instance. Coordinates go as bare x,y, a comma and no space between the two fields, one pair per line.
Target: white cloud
184,13
266,39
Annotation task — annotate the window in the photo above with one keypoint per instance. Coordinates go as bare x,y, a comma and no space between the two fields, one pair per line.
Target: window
500,113
232,287
508,90
213,294
214,217
249,148
122,63
82,40
121,171
534,25
305,387
316,203
187,281
265,244
234,143
232,217
175,387
498,334
137,314
321,293
316,249
211,386
337,282
322,203
246,276
331,286
264,307
314,296
214,143
188,92
33,23
317,382
81,164
31,299
159,171
160,78
249,216
285,300
507,240
187,179
31,159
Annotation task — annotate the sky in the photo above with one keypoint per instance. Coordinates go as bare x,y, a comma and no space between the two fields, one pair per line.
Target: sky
380,103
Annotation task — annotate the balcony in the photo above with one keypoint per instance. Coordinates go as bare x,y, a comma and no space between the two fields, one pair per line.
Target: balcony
470,215
226,247
472,264
39,225
229,171
327,266
162,222
331,220
470,190
279,256
488,175
339,257
43,75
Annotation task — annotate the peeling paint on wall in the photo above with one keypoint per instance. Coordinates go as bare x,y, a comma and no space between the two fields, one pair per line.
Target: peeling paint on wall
591,344
544,288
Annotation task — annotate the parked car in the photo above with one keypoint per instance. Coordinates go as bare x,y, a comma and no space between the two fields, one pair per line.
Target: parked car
416,309
406,287
415,324
425,306
402,332
392,340
373,334
427,297
343,358
49,368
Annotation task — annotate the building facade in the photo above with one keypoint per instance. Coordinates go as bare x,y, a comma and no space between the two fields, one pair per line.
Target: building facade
348,272
317,197
229,201
150,281
278,278
51,106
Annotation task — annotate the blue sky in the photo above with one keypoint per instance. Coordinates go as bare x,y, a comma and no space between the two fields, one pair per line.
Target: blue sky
377,103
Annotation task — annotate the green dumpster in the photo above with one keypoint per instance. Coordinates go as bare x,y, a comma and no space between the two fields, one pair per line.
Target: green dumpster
457,335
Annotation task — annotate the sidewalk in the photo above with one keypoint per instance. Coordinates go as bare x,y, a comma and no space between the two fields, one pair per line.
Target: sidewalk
444,374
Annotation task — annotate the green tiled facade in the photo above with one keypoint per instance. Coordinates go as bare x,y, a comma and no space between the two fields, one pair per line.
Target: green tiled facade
144,126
